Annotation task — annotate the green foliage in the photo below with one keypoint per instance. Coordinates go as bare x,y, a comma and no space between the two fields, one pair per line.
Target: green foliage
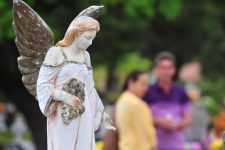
30,2
6,137
214,88
28,136
109,2
6,20
130,62
100,76
147,8
213,92
170,8
49,2
139,8
131,8
212,106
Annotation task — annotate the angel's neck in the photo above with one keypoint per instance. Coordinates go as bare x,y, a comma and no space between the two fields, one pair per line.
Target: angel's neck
74,53
73,50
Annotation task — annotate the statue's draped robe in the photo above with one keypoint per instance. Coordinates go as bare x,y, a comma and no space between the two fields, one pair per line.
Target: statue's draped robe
79,133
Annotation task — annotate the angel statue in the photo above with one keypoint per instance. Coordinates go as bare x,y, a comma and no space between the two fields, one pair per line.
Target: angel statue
60,76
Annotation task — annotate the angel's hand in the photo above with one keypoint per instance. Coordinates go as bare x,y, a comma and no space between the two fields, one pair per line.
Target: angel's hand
71,100
107,122
66,98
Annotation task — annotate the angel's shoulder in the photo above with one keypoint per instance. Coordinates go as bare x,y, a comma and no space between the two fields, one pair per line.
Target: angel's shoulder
54,57
86,54
87,58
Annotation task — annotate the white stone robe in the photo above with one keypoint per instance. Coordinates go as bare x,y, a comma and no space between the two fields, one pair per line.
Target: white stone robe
79,133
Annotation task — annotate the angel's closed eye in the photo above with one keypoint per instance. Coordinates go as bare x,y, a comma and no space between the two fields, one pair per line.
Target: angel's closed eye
88,37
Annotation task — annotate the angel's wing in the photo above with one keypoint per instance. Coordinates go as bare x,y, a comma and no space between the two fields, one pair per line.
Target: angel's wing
92,11
33,39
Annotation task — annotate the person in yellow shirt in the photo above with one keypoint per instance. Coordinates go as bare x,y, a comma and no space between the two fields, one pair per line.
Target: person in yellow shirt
133,116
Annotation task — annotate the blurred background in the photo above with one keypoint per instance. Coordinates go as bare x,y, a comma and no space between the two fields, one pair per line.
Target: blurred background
132,33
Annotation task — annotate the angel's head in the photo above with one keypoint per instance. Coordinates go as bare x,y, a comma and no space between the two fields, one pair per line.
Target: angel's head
81,33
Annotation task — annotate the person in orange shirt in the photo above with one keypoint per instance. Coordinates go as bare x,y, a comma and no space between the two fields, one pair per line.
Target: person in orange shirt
133,116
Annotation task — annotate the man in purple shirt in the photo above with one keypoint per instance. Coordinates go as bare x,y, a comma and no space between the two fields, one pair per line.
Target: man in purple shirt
169,103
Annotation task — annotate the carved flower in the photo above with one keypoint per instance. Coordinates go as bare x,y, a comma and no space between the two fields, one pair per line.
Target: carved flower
76,88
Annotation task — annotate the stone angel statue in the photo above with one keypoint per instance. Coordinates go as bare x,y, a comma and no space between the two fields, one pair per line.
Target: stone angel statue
60,76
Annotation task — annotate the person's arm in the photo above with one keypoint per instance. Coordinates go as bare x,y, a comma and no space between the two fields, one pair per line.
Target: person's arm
165,123
159,121
186,121
186,110
171,125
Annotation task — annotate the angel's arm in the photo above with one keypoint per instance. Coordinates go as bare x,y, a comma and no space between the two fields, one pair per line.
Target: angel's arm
87,59
96,103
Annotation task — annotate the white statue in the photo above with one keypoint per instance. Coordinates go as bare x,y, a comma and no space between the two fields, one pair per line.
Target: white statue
61,76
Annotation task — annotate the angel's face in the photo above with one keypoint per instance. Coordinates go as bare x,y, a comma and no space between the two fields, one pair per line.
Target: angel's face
84,40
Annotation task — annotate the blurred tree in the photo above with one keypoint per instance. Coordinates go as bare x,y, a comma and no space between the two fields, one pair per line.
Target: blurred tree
190,29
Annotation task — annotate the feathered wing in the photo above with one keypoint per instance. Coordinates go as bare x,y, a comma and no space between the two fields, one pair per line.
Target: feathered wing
92,11
33,39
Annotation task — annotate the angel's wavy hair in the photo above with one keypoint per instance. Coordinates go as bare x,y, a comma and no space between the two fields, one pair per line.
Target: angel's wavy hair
80,25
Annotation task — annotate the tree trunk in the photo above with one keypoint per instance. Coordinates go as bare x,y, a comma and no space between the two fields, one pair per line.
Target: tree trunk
111,80
14,90
27,104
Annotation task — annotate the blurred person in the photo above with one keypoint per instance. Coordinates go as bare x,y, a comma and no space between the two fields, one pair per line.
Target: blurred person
190,74
169,103
133,117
